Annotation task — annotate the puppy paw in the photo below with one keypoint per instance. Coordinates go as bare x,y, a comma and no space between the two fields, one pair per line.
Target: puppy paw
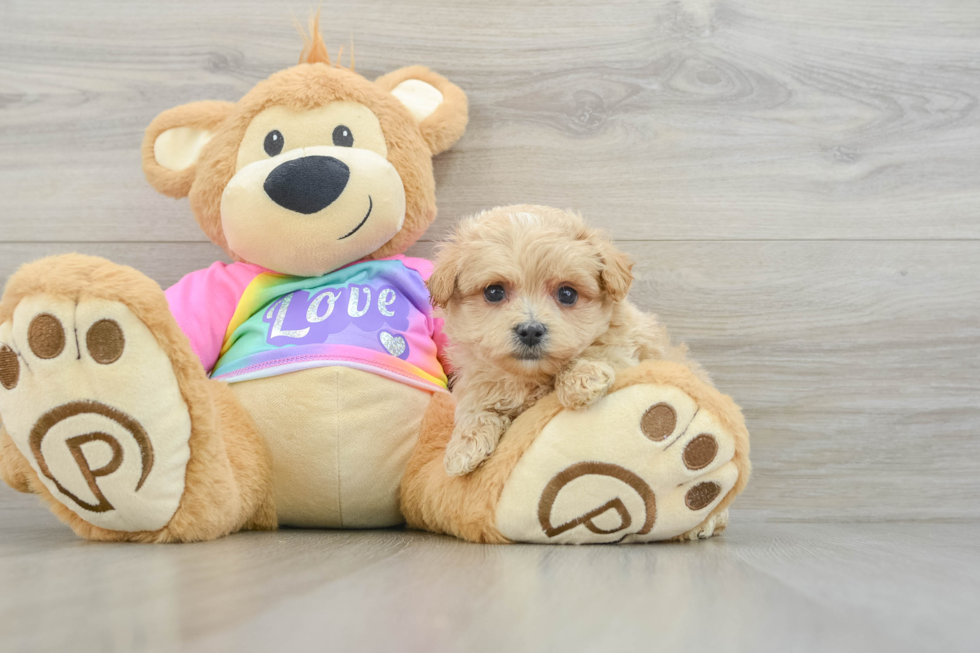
583,382
469,447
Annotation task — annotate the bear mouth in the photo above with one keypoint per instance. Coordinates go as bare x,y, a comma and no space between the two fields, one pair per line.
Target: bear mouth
361,223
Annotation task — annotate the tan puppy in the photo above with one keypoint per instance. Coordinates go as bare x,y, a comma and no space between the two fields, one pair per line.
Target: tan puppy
534,302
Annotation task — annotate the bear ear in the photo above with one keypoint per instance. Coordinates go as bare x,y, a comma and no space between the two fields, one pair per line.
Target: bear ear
173,143
438,105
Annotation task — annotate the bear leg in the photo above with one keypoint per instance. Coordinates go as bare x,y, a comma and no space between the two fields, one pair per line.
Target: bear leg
661,457
110,417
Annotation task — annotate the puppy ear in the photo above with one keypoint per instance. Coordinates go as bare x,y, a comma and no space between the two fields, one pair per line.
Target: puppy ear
438,105
442,281
173,143
617,271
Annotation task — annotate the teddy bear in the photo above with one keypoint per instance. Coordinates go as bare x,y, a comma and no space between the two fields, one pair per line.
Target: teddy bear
304,383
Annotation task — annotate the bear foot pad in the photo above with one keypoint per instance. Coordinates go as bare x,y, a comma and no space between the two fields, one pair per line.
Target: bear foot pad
90,399
645,463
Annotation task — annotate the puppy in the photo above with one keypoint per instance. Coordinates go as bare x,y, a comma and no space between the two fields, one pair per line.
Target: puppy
534,301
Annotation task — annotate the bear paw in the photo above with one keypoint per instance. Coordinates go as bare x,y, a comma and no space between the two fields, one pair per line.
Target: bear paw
90,399
647,462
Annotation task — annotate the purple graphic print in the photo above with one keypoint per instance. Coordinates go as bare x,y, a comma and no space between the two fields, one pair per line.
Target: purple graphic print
394,344
307,317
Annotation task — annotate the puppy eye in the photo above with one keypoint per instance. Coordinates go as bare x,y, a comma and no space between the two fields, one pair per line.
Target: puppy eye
494,293
273,142
567,295
342,137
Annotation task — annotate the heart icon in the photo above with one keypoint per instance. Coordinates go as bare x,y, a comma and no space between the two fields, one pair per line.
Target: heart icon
394,345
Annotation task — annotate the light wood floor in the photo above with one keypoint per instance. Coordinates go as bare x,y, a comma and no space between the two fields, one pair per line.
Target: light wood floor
799,183
761,587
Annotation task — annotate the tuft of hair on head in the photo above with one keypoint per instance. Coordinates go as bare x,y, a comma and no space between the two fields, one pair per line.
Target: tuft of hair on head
315,49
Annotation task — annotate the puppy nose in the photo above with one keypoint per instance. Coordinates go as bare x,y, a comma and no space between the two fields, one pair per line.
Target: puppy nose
307,184
530,333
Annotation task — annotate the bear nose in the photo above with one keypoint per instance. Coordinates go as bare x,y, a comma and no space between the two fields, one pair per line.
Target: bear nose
307,184
530,333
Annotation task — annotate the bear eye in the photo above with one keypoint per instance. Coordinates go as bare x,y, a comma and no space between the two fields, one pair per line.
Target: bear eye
273,142
567,295
342,136
494,293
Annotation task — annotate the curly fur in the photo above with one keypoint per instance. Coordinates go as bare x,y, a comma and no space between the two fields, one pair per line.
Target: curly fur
466,506
532,251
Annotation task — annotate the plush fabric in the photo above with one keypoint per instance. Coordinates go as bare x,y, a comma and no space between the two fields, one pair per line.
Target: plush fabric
422,99
229,477
204,304
444,126
272,223
196,150
97,438
304,87
372,315
464,506
205,117
227,484
340,439
502,500
15,471
598,471
178,148
166,454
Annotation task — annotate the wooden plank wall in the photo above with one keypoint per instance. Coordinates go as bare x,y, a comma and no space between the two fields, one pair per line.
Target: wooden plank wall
799,183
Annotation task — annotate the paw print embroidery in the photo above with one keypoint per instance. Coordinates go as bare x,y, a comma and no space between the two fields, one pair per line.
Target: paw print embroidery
91,401
588,520
645,463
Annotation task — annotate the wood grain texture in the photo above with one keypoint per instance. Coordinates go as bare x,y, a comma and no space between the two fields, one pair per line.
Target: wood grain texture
760,587
738,150
800,186
670,120
855,362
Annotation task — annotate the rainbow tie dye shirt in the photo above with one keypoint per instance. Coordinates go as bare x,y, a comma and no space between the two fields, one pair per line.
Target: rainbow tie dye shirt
246,322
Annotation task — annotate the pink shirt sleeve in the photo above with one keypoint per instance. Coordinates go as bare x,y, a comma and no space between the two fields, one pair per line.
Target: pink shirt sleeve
204,302
442,342
424,267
